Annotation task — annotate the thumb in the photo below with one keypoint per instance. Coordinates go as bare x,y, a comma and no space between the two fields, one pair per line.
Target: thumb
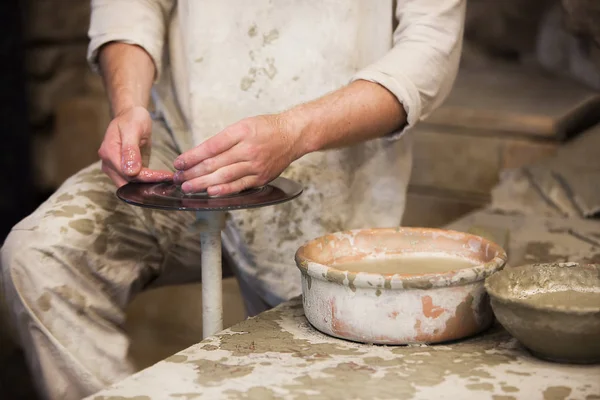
131,157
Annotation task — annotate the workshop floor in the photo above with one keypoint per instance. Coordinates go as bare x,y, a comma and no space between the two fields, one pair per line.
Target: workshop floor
161,322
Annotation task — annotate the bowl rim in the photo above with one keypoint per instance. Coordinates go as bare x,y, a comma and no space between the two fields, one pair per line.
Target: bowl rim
458,277
510,300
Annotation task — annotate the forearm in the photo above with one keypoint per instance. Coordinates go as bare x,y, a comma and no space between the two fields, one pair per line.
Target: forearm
128,73
355,113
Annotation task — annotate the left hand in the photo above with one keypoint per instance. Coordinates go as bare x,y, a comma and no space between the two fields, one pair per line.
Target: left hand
247,154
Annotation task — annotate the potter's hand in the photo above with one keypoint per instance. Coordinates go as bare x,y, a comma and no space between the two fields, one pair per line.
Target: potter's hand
247,154
120,152
256,150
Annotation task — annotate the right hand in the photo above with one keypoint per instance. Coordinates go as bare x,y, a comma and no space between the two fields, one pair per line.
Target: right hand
121,150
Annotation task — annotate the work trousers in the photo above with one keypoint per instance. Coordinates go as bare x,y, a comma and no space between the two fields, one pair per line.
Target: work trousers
72,266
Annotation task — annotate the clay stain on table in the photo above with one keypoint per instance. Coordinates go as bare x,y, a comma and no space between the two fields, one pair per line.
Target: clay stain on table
557,393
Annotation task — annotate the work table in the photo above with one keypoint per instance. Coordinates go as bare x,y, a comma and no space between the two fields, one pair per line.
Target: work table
279,355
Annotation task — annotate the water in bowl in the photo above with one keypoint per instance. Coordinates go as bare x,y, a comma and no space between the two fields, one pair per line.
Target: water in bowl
413,264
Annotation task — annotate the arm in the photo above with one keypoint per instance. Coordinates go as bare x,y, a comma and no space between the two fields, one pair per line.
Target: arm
383,100
407,84
127,72
358,112
126,48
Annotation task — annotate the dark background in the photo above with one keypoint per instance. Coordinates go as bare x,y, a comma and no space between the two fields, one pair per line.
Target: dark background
17,196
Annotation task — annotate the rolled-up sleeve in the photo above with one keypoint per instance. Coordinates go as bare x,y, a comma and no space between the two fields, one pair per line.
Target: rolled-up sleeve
421,67
139,22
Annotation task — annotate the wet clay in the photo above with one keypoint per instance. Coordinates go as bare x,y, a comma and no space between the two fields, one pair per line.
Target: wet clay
564,298
412,264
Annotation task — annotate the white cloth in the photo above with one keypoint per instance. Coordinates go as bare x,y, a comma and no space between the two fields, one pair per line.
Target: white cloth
221,61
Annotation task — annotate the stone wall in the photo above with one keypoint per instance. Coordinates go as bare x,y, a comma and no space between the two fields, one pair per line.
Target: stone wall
562,36
505,28
67,107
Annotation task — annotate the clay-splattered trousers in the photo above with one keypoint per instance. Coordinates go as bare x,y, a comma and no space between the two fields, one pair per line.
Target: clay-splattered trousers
70,268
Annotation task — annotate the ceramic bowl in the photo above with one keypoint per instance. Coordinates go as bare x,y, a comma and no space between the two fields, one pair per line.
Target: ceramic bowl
561,329
380,308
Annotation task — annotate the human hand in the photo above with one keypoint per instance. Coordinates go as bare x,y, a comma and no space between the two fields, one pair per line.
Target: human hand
127,134
247,154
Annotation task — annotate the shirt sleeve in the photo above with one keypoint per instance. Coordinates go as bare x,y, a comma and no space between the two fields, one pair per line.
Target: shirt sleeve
421,67
139,22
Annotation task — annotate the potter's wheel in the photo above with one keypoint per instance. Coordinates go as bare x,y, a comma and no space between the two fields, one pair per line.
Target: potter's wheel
168,196
210,213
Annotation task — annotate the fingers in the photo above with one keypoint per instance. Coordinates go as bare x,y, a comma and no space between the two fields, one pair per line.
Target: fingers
134,130
131,156
112,157
213,182
246,154
146,175
151,175
237,186
212,147
109,153
120,151
210,165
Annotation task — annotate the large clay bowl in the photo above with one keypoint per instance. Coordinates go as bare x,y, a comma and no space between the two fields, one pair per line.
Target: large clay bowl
393,308
553,330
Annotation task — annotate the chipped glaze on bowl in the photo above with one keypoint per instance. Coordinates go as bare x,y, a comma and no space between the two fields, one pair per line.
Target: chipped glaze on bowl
394,308
560,333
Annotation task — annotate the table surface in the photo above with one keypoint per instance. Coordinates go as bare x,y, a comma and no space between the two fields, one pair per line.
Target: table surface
536,239
279,355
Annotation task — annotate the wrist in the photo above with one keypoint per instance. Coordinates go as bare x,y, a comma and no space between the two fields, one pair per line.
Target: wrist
123,101
300,127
